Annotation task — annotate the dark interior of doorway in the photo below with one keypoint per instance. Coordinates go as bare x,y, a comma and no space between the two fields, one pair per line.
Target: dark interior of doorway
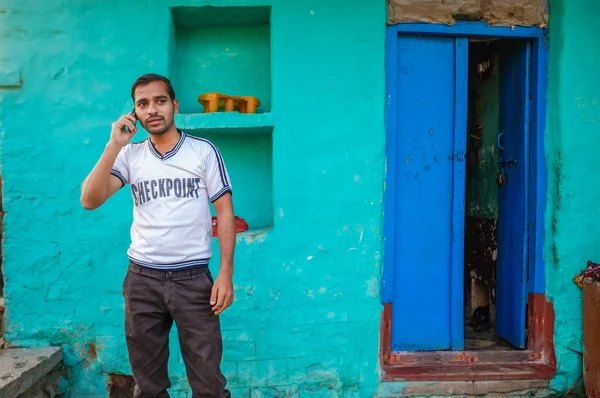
482,199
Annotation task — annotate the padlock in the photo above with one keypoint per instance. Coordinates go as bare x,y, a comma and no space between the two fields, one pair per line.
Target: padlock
500,179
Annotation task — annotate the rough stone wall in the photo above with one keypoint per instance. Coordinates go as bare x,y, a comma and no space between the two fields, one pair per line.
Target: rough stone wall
307,310
494,12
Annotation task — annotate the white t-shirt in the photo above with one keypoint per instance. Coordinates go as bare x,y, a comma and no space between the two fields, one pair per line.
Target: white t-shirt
172,225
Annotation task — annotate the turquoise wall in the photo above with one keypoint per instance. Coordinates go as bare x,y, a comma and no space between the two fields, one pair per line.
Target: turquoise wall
309,177
572,142
306,316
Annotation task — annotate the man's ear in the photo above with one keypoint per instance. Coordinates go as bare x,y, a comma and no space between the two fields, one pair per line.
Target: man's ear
176,106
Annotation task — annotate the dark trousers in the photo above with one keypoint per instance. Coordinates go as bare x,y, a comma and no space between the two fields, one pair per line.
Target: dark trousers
153,300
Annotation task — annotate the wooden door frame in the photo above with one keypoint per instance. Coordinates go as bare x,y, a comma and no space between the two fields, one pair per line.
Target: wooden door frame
539,356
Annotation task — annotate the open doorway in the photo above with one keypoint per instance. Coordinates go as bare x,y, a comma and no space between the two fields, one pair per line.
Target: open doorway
481,200
496,194
429,197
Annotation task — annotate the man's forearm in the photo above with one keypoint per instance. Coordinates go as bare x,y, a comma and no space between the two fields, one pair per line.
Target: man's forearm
95,186
226,232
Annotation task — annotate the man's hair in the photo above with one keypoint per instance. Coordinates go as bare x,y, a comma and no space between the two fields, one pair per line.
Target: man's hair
149,78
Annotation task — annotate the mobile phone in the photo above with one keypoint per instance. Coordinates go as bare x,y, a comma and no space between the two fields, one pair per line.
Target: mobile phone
132,113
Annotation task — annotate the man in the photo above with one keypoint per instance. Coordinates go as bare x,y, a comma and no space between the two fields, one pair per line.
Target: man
172,177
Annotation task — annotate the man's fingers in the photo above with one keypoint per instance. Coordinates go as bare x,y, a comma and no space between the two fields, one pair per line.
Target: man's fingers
122,123
220,301
126,120
213,295
133,129
129,124
226,303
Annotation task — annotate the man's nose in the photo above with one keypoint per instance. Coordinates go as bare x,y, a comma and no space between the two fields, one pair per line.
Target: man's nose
151,108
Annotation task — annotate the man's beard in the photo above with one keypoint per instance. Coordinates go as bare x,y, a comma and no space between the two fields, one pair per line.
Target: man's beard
161,131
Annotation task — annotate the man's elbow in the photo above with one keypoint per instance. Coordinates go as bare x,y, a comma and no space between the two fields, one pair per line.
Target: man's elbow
88,204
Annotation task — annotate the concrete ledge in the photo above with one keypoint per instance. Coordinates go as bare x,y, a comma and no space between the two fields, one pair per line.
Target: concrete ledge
21,368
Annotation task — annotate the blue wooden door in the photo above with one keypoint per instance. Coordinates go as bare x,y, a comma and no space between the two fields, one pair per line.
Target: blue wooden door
513,234
428,131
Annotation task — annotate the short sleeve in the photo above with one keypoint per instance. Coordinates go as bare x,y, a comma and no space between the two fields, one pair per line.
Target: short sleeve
121,167
215,174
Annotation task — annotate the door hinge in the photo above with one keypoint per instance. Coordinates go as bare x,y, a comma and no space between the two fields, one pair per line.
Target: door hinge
457,156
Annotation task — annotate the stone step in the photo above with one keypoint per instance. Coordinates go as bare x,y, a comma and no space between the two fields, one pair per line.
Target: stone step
21,368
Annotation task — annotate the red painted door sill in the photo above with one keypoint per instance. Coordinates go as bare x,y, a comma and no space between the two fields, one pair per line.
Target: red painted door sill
469,371
537,363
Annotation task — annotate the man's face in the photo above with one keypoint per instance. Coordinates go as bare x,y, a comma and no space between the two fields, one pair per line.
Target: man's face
154,108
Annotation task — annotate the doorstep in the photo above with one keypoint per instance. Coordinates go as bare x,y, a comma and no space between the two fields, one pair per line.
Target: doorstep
467,366
471,372
536,364
21,368
495,388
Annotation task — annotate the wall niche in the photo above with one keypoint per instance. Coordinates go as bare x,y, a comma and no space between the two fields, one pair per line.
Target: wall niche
221,49
227,50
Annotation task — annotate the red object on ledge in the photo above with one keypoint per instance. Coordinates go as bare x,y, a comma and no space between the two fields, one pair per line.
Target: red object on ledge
240,225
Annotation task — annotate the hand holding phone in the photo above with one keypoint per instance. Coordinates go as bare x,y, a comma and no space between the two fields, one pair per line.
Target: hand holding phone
124,129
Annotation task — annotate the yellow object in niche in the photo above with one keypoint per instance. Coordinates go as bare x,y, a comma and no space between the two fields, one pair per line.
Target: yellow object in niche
213,102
